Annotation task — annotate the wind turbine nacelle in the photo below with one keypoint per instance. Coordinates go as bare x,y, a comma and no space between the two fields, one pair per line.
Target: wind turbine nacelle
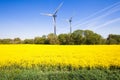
54,15
70,20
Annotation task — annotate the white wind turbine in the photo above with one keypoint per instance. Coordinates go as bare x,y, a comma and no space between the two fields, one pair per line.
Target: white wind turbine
70,22
54,15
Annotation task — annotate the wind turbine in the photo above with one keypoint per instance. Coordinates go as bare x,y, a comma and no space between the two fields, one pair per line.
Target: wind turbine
70,21
54,15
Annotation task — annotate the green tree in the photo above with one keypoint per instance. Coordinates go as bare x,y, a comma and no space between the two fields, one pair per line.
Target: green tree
113,39
63,39
92,38
39,40
17,41
28,41
53,39
0,41
46,41
103,41
7,41
77,37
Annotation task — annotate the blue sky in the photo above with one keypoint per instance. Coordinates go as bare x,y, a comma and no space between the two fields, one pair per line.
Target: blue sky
21,18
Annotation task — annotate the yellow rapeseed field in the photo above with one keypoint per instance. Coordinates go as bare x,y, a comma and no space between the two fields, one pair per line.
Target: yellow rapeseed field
82,55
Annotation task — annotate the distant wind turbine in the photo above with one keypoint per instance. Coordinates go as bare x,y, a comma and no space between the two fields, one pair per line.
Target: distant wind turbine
54,15
70,21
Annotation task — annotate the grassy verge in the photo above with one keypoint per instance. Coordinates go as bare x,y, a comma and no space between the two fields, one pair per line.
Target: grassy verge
36,73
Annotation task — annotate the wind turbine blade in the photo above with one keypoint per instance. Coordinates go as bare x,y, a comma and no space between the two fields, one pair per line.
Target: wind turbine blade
46,14
58,8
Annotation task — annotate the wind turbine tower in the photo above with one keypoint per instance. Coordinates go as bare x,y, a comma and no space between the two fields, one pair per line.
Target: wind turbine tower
70,21
54,15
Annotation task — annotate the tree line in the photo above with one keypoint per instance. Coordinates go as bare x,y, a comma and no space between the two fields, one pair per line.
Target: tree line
78,37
